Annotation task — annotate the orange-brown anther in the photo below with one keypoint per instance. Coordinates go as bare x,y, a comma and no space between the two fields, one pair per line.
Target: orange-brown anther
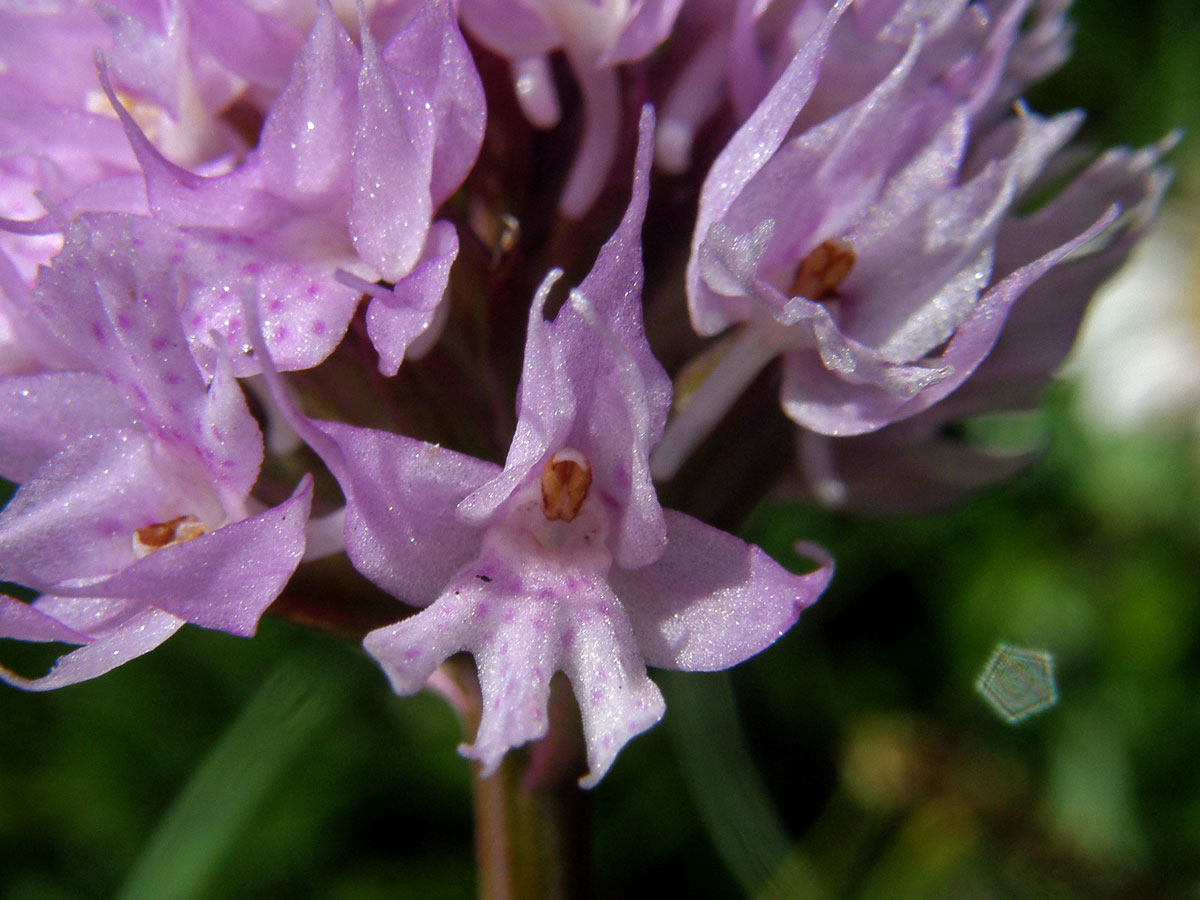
566,480
823,270
164,534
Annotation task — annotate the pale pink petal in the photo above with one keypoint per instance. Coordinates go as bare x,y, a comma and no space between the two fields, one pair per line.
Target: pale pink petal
307,136
396,318
224,579
391,205
140,634
712,600
42,414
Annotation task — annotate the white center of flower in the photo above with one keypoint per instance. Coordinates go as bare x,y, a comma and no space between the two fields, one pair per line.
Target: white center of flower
179,530
558,513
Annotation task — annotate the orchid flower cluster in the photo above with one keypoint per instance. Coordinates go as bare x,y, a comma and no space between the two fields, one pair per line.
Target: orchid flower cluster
265,268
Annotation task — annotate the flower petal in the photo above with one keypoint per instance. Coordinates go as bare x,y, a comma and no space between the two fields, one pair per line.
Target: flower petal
42,414
401,528
140,634
712,600
307,136
224,579
396,318
523,622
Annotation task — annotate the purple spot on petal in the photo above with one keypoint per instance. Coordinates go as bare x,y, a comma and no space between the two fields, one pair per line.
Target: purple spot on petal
318,327
276,305
98,333
481,610
172,379
123,320
313,289
176,408
597,696
412,653
110,527
510,616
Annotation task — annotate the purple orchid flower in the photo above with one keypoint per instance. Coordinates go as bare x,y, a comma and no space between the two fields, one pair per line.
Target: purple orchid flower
562,560
863,250
919,463
134,514
63,150
356,155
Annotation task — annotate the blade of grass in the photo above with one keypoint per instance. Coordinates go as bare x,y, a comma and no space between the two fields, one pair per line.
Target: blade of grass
185,851
731,799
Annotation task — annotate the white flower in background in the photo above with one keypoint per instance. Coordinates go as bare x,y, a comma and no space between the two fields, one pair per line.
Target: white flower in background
1137,364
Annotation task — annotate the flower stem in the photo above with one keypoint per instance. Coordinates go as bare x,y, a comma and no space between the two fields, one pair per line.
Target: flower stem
532,840
748,353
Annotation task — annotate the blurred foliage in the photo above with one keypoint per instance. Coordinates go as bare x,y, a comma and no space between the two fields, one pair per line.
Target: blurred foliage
852,760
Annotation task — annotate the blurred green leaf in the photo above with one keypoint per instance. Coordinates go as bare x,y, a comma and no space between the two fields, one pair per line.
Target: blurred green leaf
203,824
